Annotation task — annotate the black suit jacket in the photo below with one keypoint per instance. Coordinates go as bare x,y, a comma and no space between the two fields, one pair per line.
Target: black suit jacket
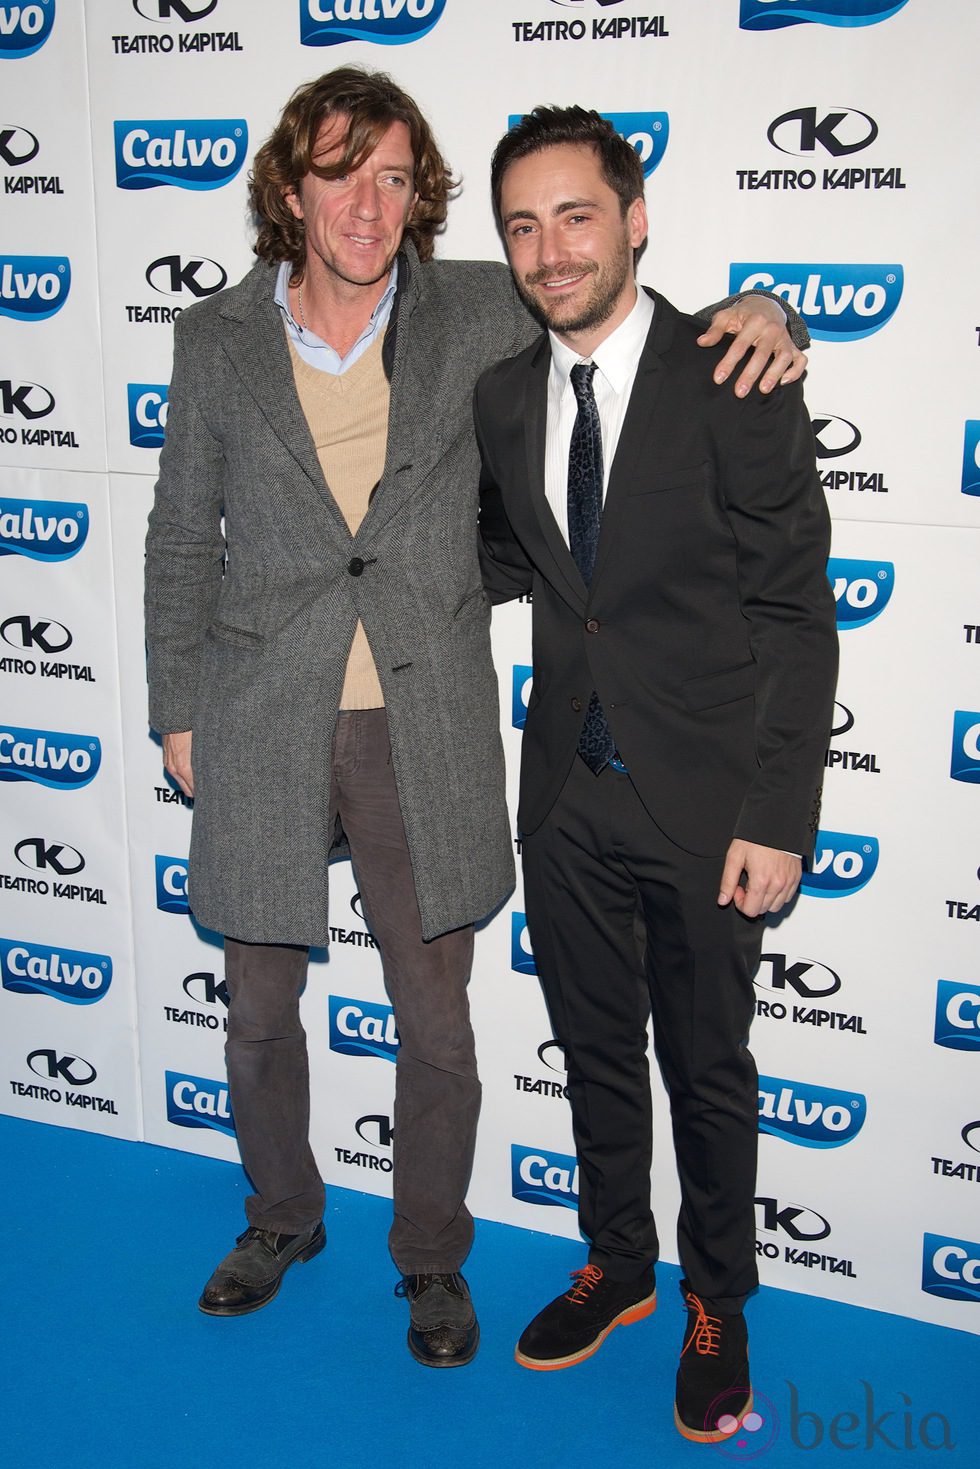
709,627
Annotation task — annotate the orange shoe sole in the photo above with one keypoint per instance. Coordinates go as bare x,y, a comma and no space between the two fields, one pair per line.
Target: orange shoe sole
710,1435
625,1318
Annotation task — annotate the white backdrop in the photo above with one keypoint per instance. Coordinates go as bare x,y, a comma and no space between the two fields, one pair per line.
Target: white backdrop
824,146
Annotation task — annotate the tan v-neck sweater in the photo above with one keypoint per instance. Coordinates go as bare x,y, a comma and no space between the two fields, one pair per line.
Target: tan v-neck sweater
348,419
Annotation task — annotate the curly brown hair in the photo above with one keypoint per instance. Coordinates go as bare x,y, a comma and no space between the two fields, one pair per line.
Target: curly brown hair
372,102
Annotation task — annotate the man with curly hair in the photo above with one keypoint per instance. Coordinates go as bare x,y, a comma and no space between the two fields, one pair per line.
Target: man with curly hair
317,629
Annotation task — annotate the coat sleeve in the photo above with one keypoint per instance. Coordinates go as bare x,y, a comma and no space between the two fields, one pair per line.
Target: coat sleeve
185,549
795,325
506,570
777,513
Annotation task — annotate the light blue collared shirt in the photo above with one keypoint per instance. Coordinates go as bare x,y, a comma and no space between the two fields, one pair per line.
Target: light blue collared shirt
315,351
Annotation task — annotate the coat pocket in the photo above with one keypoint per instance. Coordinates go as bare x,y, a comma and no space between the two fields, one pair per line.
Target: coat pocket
713,689
238,637
658,481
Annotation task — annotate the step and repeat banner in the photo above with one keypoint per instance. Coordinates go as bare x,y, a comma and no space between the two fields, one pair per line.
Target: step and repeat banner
784,148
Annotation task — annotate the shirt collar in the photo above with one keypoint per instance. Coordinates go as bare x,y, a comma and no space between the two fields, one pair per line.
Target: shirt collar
311,339
617,356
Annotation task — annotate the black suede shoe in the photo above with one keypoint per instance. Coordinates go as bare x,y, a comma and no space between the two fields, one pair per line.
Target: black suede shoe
253,1272
444,1330
713,1390
576,1324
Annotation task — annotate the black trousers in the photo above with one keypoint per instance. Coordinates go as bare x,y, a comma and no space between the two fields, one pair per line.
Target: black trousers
597,873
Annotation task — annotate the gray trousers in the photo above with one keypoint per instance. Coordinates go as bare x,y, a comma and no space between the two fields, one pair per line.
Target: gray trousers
437,1090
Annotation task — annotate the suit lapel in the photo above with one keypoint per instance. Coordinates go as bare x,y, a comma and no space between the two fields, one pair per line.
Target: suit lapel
638,436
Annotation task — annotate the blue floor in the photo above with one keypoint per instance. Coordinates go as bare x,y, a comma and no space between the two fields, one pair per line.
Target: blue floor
107,1361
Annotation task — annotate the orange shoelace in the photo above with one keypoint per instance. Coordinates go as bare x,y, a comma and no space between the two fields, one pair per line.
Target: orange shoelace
585,1281
706,1334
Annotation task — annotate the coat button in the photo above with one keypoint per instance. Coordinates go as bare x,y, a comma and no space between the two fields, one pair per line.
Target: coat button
355,566
577,705
592,625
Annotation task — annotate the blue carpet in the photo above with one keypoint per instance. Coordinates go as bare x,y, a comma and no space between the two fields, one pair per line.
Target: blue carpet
108,1362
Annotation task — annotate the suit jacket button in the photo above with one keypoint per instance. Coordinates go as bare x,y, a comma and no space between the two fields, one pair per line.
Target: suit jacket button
577,705
355,566
592,625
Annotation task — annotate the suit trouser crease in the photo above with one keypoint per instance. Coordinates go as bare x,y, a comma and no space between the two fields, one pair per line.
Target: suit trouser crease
597,873
437,1090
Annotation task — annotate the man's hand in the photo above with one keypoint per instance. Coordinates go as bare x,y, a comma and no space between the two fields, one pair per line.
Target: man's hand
772,878
177,760
758,323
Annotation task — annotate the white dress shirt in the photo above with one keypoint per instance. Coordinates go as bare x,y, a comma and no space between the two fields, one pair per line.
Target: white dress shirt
616,360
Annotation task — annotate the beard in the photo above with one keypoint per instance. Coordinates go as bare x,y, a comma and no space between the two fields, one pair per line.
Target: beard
605,290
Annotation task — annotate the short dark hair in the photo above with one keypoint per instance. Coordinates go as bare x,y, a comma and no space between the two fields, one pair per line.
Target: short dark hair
547,127
371,101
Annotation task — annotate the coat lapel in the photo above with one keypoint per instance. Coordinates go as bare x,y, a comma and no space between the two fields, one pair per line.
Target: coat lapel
638,436
256,345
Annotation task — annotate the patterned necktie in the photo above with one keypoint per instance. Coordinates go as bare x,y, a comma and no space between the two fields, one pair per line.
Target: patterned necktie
596,745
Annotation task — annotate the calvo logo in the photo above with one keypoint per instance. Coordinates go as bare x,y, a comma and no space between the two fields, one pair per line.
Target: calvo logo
839,302
71,975
148,404
646,132
812,1116
33,287
773,15
521,953
862,589
48,757
957,1016
523,677
385,22
951,1267
197,1101
24,28
842,864
42,530
171,879
360,1028
539,1176
970,482
190,153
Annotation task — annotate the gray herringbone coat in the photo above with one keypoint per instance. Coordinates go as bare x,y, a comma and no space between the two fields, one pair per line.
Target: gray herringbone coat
250,652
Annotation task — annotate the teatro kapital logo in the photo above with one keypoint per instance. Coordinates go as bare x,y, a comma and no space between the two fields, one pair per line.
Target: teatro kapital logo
772,15
385,22
33,287
24,28
839,302
189,153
